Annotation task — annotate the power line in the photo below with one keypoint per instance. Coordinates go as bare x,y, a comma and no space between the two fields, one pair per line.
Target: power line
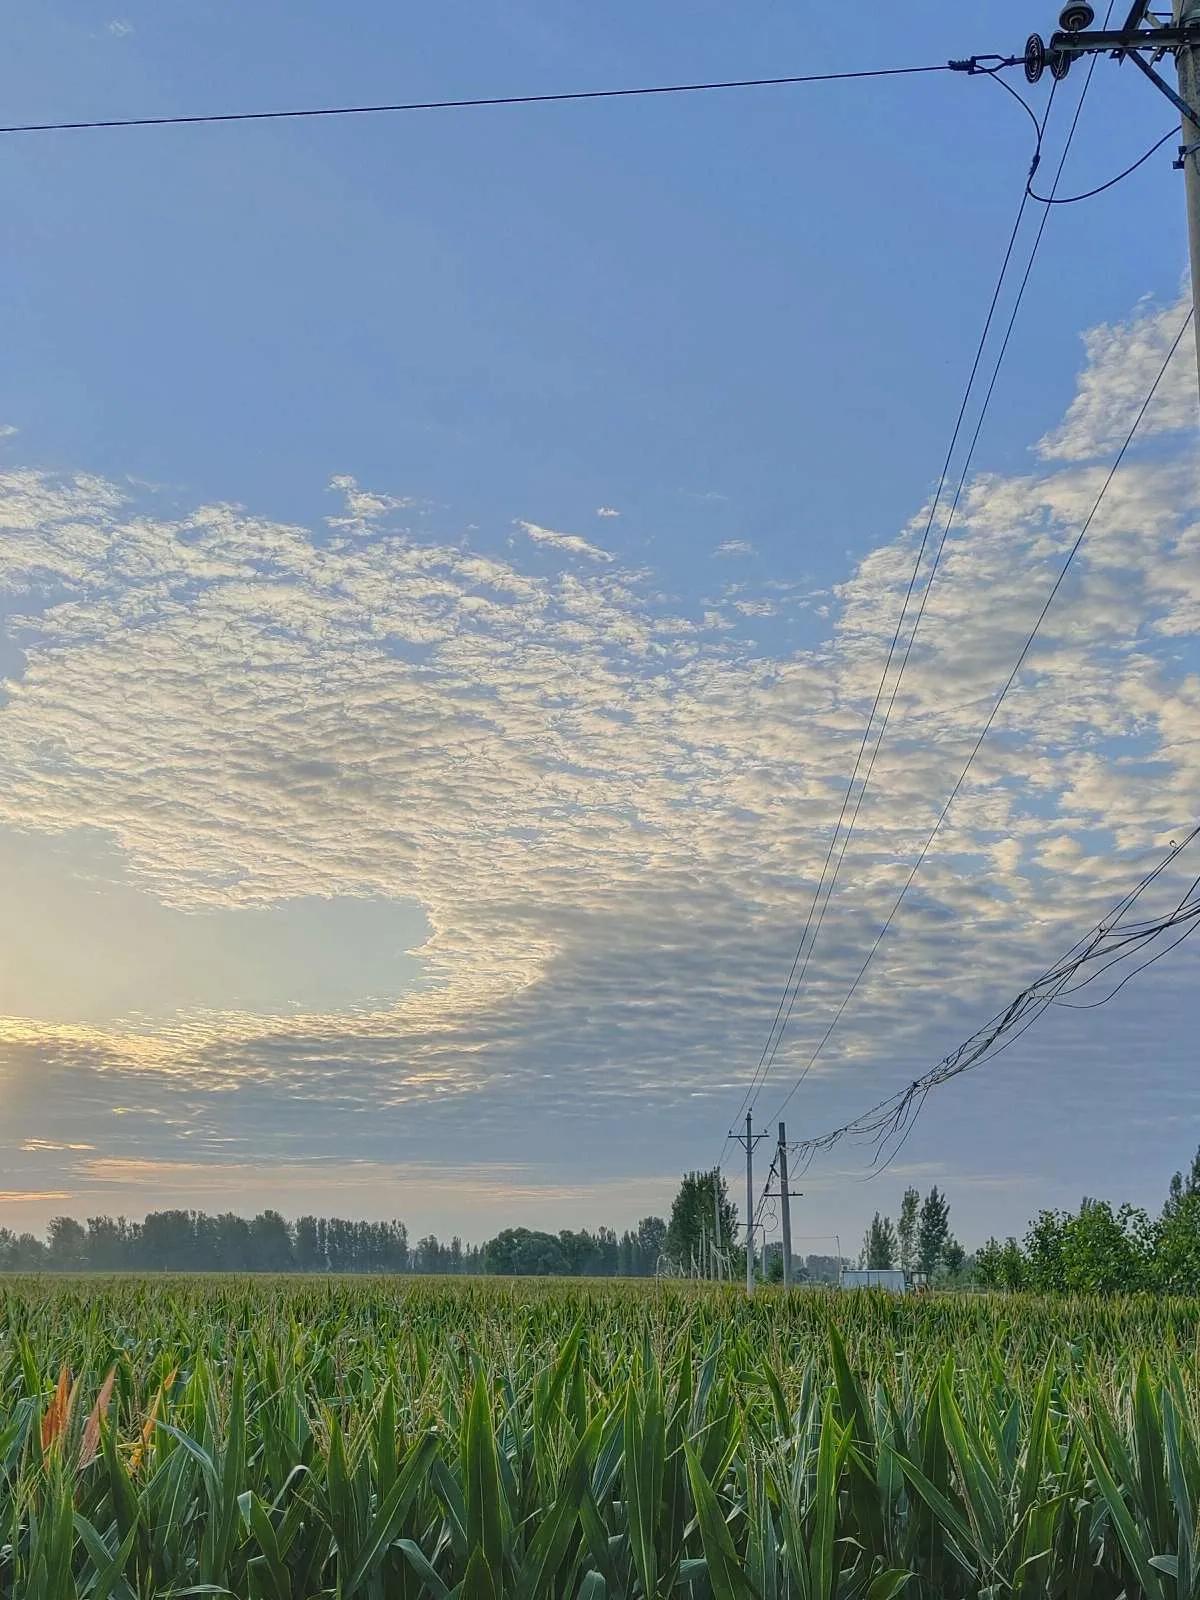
945,534
894,1117
785,1006
1088,194
780,1026
479,101
983,733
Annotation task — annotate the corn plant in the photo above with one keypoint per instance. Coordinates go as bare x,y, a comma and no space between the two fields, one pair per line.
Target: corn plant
281,1439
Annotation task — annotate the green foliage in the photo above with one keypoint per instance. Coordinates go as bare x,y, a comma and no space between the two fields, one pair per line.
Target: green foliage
906,1229
953,1259
1095,1251
526,1252
1183,1188
879,1244
933,1230
284,1439
692,1219
1174,1263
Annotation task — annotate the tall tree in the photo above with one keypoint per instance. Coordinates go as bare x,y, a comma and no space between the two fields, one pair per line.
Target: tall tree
933,1229
68,1243
1174,1266
651,1243
692,1218
879,1244
309,1255
1183,1188
526,1252
1012,1265
906,1228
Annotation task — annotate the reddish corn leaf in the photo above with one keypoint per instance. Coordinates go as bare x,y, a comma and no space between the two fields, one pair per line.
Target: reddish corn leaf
90,1442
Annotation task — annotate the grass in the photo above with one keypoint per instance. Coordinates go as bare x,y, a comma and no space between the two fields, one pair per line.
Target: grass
430,1439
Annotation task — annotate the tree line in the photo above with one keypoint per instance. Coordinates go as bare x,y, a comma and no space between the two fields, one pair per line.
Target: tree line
919,1242
1099,1249
1102,1250
1096,1250
195,1241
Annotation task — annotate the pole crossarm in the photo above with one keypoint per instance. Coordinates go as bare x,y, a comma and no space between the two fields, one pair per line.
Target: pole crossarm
1121,40
1160,82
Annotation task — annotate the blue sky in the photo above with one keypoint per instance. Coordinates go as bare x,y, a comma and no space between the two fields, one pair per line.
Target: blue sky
445,558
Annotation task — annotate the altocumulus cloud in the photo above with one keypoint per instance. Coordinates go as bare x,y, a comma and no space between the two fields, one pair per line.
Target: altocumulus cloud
611,815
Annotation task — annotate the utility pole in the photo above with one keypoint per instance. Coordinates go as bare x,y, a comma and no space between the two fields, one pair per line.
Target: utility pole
1187,63
785,1208
748,1140
1141,40
717,1223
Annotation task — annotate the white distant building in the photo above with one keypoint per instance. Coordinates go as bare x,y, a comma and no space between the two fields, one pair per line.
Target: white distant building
892,1278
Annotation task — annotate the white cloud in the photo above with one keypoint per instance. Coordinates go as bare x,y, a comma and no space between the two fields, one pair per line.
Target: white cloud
120,28
363,508
734,547
1122,360
7,430
570,542
607,511
612,816
40,1146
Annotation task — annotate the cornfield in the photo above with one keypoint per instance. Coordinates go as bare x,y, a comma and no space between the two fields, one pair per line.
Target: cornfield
279,1438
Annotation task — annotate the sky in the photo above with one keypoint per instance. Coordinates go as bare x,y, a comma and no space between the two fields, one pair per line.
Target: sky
446,562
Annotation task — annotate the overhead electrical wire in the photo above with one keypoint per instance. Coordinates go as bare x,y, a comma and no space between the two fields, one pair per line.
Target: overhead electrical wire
992,714
961,484
309,112
1089,194
1085,194
892,1119
818,907
772,1044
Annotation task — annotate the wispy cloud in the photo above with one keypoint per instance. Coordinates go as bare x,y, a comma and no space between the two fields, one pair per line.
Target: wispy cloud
364,509
41,1146
570,542
607,511
734,547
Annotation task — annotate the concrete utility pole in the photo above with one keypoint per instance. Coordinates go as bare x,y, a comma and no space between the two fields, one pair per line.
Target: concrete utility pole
747,1141
1187,62
749,1207
717,1223
785,1208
